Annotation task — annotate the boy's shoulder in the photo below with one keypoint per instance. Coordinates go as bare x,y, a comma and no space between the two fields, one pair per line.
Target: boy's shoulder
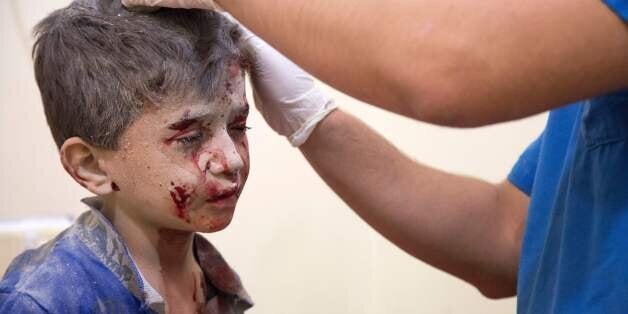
60,275
88,269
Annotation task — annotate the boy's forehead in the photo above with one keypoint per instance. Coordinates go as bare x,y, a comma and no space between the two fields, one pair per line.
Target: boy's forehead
229,97
182,115
202,109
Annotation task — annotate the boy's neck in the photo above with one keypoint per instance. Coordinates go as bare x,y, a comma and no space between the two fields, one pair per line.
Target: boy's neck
165,257
170,249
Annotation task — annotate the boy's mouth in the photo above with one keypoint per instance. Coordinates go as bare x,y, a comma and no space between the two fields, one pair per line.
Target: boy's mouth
224,196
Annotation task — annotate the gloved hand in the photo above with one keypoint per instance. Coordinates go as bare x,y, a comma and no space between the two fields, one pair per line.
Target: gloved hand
284,93
185,4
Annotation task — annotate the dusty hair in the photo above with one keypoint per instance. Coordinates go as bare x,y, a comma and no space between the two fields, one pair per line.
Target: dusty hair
98,65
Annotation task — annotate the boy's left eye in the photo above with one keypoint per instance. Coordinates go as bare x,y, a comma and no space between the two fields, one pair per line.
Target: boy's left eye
239,128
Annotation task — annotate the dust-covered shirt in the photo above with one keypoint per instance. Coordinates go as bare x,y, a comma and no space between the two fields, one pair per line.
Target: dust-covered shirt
88,269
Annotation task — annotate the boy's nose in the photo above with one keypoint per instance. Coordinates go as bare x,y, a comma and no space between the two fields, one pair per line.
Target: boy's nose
224,158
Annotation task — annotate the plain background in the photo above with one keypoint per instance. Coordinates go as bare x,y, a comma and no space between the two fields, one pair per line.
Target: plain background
297,246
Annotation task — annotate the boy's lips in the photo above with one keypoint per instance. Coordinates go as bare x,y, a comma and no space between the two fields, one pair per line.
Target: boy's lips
224,196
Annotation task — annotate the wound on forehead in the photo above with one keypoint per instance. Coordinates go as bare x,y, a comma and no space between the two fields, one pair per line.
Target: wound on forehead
98,65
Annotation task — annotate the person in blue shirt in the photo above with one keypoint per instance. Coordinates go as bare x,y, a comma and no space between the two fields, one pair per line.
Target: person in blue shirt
555,232
149,114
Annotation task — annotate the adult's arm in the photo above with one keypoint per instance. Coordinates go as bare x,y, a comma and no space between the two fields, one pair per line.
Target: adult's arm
451,62
467,227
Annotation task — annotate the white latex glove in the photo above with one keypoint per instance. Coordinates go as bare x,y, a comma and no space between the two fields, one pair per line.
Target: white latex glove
184,4
284,93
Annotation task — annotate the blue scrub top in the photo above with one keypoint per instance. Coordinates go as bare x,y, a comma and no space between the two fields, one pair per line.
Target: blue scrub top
574,256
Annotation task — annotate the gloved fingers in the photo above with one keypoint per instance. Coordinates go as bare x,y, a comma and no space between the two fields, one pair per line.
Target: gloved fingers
184,4
247,35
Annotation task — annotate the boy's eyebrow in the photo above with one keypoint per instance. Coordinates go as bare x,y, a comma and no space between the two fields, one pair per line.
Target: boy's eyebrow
189,119
182,124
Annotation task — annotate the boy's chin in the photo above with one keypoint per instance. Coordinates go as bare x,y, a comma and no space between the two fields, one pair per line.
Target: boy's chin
212,224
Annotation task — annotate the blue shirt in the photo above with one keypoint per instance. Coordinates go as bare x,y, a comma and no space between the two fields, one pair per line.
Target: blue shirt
574,256
88,269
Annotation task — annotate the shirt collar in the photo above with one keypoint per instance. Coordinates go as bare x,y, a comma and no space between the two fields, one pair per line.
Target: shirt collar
100,236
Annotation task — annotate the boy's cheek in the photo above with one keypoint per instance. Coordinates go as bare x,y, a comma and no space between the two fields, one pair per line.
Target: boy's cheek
176,167
156,179
184,183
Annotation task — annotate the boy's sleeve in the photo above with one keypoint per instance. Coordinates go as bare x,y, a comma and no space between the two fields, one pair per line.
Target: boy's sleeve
620,7
523,173
17,302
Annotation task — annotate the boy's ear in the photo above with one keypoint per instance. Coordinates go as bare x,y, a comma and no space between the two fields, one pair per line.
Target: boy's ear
80,160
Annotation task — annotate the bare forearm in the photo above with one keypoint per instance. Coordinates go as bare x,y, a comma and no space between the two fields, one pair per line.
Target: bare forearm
461,63
449,221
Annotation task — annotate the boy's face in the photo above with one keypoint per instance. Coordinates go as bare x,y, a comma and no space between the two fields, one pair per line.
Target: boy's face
183,167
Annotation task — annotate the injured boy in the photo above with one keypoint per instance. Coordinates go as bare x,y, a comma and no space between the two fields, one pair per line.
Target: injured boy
149,114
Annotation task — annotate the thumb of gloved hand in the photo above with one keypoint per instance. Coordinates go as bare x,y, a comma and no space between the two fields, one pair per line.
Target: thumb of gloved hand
184,4
285,94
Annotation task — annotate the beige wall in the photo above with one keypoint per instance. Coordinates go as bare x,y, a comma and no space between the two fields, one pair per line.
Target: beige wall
298,248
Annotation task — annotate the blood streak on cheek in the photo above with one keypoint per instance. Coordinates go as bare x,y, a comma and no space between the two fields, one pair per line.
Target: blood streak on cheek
180,196
196,161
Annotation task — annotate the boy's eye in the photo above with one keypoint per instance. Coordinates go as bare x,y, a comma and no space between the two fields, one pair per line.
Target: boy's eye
239,129
190,139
